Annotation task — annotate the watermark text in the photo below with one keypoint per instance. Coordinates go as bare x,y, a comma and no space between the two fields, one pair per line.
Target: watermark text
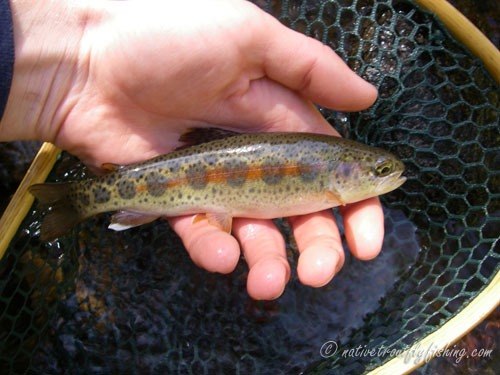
415,354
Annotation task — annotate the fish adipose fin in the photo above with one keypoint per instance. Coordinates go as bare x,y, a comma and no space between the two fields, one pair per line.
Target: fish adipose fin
128,219
196,136
110,167
62,216
222,221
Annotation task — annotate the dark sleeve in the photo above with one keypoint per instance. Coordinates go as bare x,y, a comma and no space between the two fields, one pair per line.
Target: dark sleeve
6,53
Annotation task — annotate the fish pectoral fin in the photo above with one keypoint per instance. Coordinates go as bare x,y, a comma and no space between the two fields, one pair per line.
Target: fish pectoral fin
223,221
110,167
334,198
129,219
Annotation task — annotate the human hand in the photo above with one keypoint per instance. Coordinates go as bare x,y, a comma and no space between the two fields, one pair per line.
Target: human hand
136,74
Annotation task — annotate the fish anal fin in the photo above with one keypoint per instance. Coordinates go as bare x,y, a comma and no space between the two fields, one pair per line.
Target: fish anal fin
223,221
110,167
128,219
334,198
196,136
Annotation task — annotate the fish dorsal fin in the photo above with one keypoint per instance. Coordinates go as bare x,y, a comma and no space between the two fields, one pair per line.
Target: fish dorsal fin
196,136
110,167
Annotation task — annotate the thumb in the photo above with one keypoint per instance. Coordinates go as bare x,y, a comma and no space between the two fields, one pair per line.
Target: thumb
307,66
268,106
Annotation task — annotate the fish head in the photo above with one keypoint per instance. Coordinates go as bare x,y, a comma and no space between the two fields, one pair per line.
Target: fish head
366,175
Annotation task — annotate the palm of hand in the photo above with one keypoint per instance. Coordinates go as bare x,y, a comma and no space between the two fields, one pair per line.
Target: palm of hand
147,74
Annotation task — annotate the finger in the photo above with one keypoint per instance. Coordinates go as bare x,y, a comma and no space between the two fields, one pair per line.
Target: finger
320,247
209,247
364,227
264,251
313,69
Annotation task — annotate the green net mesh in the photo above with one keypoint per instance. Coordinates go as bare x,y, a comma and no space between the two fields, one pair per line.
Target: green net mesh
97,302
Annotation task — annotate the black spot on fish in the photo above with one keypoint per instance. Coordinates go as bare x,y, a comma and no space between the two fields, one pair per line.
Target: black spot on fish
174,166
126,189
211,159
84,199
136,174
156,183
110,179
236,172
271,171
101,194
196,176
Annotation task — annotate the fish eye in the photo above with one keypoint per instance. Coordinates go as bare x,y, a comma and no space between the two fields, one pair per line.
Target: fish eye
384,169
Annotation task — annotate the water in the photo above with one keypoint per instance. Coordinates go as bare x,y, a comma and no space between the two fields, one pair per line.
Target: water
144,304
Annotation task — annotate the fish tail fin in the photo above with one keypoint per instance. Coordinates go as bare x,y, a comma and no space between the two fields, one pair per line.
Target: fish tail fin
62,215
50,193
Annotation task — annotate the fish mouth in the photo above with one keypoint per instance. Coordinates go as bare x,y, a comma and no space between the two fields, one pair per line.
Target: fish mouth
391,182
399,181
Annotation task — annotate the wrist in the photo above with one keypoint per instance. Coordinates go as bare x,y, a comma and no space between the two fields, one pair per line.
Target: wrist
47,39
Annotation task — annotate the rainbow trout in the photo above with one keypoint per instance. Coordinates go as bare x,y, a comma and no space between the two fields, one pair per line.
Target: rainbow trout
259,175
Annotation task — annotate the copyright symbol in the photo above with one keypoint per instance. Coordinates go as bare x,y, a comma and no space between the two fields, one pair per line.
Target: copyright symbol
328,349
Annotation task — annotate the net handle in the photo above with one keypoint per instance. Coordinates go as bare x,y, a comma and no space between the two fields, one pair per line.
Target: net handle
22,201
466,33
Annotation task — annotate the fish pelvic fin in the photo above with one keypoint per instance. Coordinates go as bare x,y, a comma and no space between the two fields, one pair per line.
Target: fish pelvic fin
62,215
128,219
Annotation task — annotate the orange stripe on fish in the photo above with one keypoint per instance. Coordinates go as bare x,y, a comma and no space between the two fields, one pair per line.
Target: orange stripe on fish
222,175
